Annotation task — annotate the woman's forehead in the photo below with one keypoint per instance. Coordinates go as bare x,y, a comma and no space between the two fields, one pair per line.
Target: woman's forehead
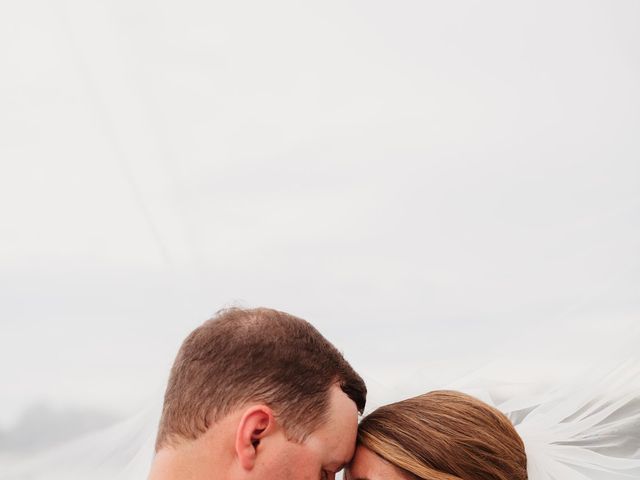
366,465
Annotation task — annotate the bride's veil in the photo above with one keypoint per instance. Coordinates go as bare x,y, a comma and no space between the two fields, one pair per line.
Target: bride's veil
120,452
586,430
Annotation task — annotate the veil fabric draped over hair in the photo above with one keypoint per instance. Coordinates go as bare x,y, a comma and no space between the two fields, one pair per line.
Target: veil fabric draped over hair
586,430
589,430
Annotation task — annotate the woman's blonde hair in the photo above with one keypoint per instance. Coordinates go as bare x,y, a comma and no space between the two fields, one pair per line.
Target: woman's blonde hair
445,435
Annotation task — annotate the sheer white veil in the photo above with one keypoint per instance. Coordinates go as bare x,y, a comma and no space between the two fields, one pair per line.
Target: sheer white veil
586,430
121,452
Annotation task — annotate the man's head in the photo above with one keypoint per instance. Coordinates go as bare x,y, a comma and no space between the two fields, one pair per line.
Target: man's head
266,391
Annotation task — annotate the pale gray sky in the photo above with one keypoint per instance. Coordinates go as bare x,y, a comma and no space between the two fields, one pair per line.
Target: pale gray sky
435,185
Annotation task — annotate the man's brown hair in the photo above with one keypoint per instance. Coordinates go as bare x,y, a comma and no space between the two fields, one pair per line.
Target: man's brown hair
445,435
254,355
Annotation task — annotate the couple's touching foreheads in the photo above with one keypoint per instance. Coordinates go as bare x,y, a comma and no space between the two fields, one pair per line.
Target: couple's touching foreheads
261,394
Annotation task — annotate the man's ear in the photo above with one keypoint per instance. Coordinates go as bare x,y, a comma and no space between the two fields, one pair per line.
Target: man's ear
256,422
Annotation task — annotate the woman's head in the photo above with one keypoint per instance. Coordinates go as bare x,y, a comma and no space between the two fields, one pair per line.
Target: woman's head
442,435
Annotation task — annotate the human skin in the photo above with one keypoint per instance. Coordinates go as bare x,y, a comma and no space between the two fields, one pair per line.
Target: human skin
250,444
366,465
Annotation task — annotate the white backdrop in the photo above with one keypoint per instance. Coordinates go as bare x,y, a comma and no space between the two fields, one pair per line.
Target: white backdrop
438,186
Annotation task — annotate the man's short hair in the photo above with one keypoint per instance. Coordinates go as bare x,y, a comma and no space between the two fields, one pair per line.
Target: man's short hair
241,356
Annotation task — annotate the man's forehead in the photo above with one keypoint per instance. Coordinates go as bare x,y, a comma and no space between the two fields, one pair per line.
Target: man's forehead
340,429
342,410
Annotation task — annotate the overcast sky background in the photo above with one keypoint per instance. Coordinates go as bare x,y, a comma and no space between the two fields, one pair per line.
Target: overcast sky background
437,186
